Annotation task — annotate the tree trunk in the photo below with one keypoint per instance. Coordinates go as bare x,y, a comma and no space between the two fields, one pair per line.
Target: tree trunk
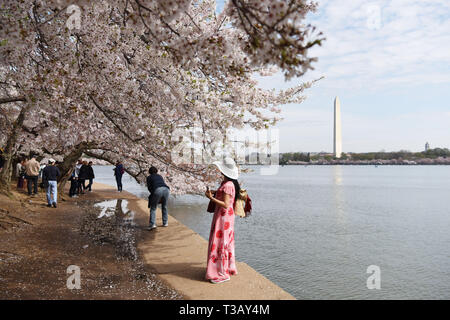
6,173
68,165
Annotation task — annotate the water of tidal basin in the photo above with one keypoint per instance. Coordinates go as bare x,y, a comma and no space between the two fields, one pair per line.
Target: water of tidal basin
315,230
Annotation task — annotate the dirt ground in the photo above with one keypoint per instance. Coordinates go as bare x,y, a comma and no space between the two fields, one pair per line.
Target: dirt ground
38,244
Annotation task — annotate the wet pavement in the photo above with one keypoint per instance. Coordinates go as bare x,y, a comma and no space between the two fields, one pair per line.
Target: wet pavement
98,236
113,225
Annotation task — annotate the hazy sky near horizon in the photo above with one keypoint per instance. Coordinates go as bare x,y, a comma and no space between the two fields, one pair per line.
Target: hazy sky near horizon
389,63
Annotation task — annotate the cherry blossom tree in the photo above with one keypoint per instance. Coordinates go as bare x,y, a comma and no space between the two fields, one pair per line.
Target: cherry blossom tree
134,72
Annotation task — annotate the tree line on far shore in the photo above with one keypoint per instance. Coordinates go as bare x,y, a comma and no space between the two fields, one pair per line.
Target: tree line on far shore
286,158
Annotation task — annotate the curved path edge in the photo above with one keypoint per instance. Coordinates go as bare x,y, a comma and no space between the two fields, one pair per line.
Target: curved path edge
177,255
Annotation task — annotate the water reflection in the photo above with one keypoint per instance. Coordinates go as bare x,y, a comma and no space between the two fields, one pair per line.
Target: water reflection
117,207
108,208
123,214
338,194
115,224
337,175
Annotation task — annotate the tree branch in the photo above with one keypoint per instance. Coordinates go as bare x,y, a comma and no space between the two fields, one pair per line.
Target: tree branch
13,99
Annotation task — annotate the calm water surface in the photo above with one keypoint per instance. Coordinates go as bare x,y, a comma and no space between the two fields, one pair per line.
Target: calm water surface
315,230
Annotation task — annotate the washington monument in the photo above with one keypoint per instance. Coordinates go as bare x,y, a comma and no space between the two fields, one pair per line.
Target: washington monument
337,129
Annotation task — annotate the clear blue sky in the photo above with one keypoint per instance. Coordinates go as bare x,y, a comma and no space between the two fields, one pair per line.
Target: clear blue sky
389,62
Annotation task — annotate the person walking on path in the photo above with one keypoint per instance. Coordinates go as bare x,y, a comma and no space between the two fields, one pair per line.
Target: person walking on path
159,192
90,175
32,173
221,260
50,175
118,173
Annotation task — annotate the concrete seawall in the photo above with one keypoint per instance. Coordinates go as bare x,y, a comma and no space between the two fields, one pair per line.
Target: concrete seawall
178,256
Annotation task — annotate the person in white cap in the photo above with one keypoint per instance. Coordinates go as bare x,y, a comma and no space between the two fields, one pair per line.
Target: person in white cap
221,262
50,175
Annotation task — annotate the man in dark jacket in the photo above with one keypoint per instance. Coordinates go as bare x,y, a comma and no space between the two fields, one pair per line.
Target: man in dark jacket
90,175
82,176
50,176
159,192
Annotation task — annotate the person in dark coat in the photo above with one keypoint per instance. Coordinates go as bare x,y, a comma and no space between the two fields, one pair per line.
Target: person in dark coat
118,173
90,176
82,176
159,193
73,185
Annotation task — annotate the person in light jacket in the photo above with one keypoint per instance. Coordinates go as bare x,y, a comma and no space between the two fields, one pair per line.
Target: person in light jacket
77,176
32,169
20,173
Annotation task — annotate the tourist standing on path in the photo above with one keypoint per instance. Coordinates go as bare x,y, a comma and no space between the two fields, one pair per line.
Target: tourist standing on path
159,192
77,175
25,181
32,173
90,175
73,185
118,173
20,173
221,261
50,175
82,176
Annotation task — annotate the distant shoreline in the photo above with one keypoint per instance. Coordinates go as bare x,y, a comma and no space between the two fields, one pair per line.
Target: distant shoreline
339,163
394,162
364,164
349,163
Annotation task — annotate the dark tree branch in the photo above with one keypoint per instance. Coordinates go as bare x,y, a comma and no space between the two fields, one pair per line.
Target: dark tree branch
13,99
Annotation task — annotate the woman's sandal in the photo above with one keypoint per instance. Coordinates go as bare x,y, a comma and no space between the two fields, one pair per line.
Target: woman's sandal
219,281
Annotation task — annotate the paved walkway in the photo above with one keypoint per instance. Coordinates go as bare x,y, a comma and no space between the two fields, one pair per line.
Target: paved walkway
178,256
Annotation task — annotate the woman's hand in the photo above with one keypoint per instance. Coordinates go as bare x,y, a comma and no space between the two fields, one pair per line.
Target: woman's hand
224,204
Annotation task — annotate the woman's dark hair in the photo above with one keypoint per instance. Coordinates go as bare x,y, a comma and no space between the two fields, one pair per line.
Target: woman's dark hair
152,170
237,187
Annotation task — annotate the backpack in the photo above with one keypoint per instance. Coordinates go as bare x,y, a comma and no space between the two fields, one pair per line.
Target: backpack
243,204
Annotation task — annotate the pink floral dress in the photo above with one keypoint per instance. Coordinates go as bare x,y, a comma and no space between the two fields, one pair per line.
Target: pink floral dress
221,262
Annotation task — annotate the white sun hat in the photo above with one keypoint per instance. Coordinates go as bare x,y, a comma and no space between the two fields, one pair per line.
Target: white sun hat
228,167
51,160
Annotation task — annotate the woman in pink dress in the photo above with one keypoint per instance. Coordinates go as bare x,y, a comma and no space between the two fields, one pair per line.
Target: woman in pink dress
221,262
